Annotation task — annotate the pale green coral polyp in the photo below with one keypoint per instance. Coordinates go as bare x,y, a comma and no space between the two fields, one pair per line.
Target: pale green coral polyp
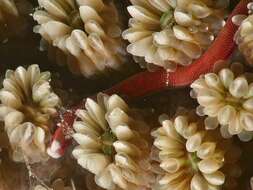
167,19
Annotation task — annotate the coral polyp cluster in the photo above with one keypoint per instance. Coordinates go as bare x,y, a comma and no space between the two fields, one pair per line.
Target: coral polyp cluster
243,37
227,101
85,34
110,144
190,157
182,121
27,108
171,33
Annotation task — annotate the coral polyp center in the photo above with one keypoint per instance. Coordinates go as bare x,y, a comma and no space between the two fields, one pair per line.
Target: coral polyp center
34,114
107,140
232,101
75,20
193,162
167,19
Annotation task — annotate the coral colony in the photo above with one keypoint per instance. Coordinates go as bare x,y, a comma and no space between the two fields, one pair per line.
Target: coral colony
126,94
